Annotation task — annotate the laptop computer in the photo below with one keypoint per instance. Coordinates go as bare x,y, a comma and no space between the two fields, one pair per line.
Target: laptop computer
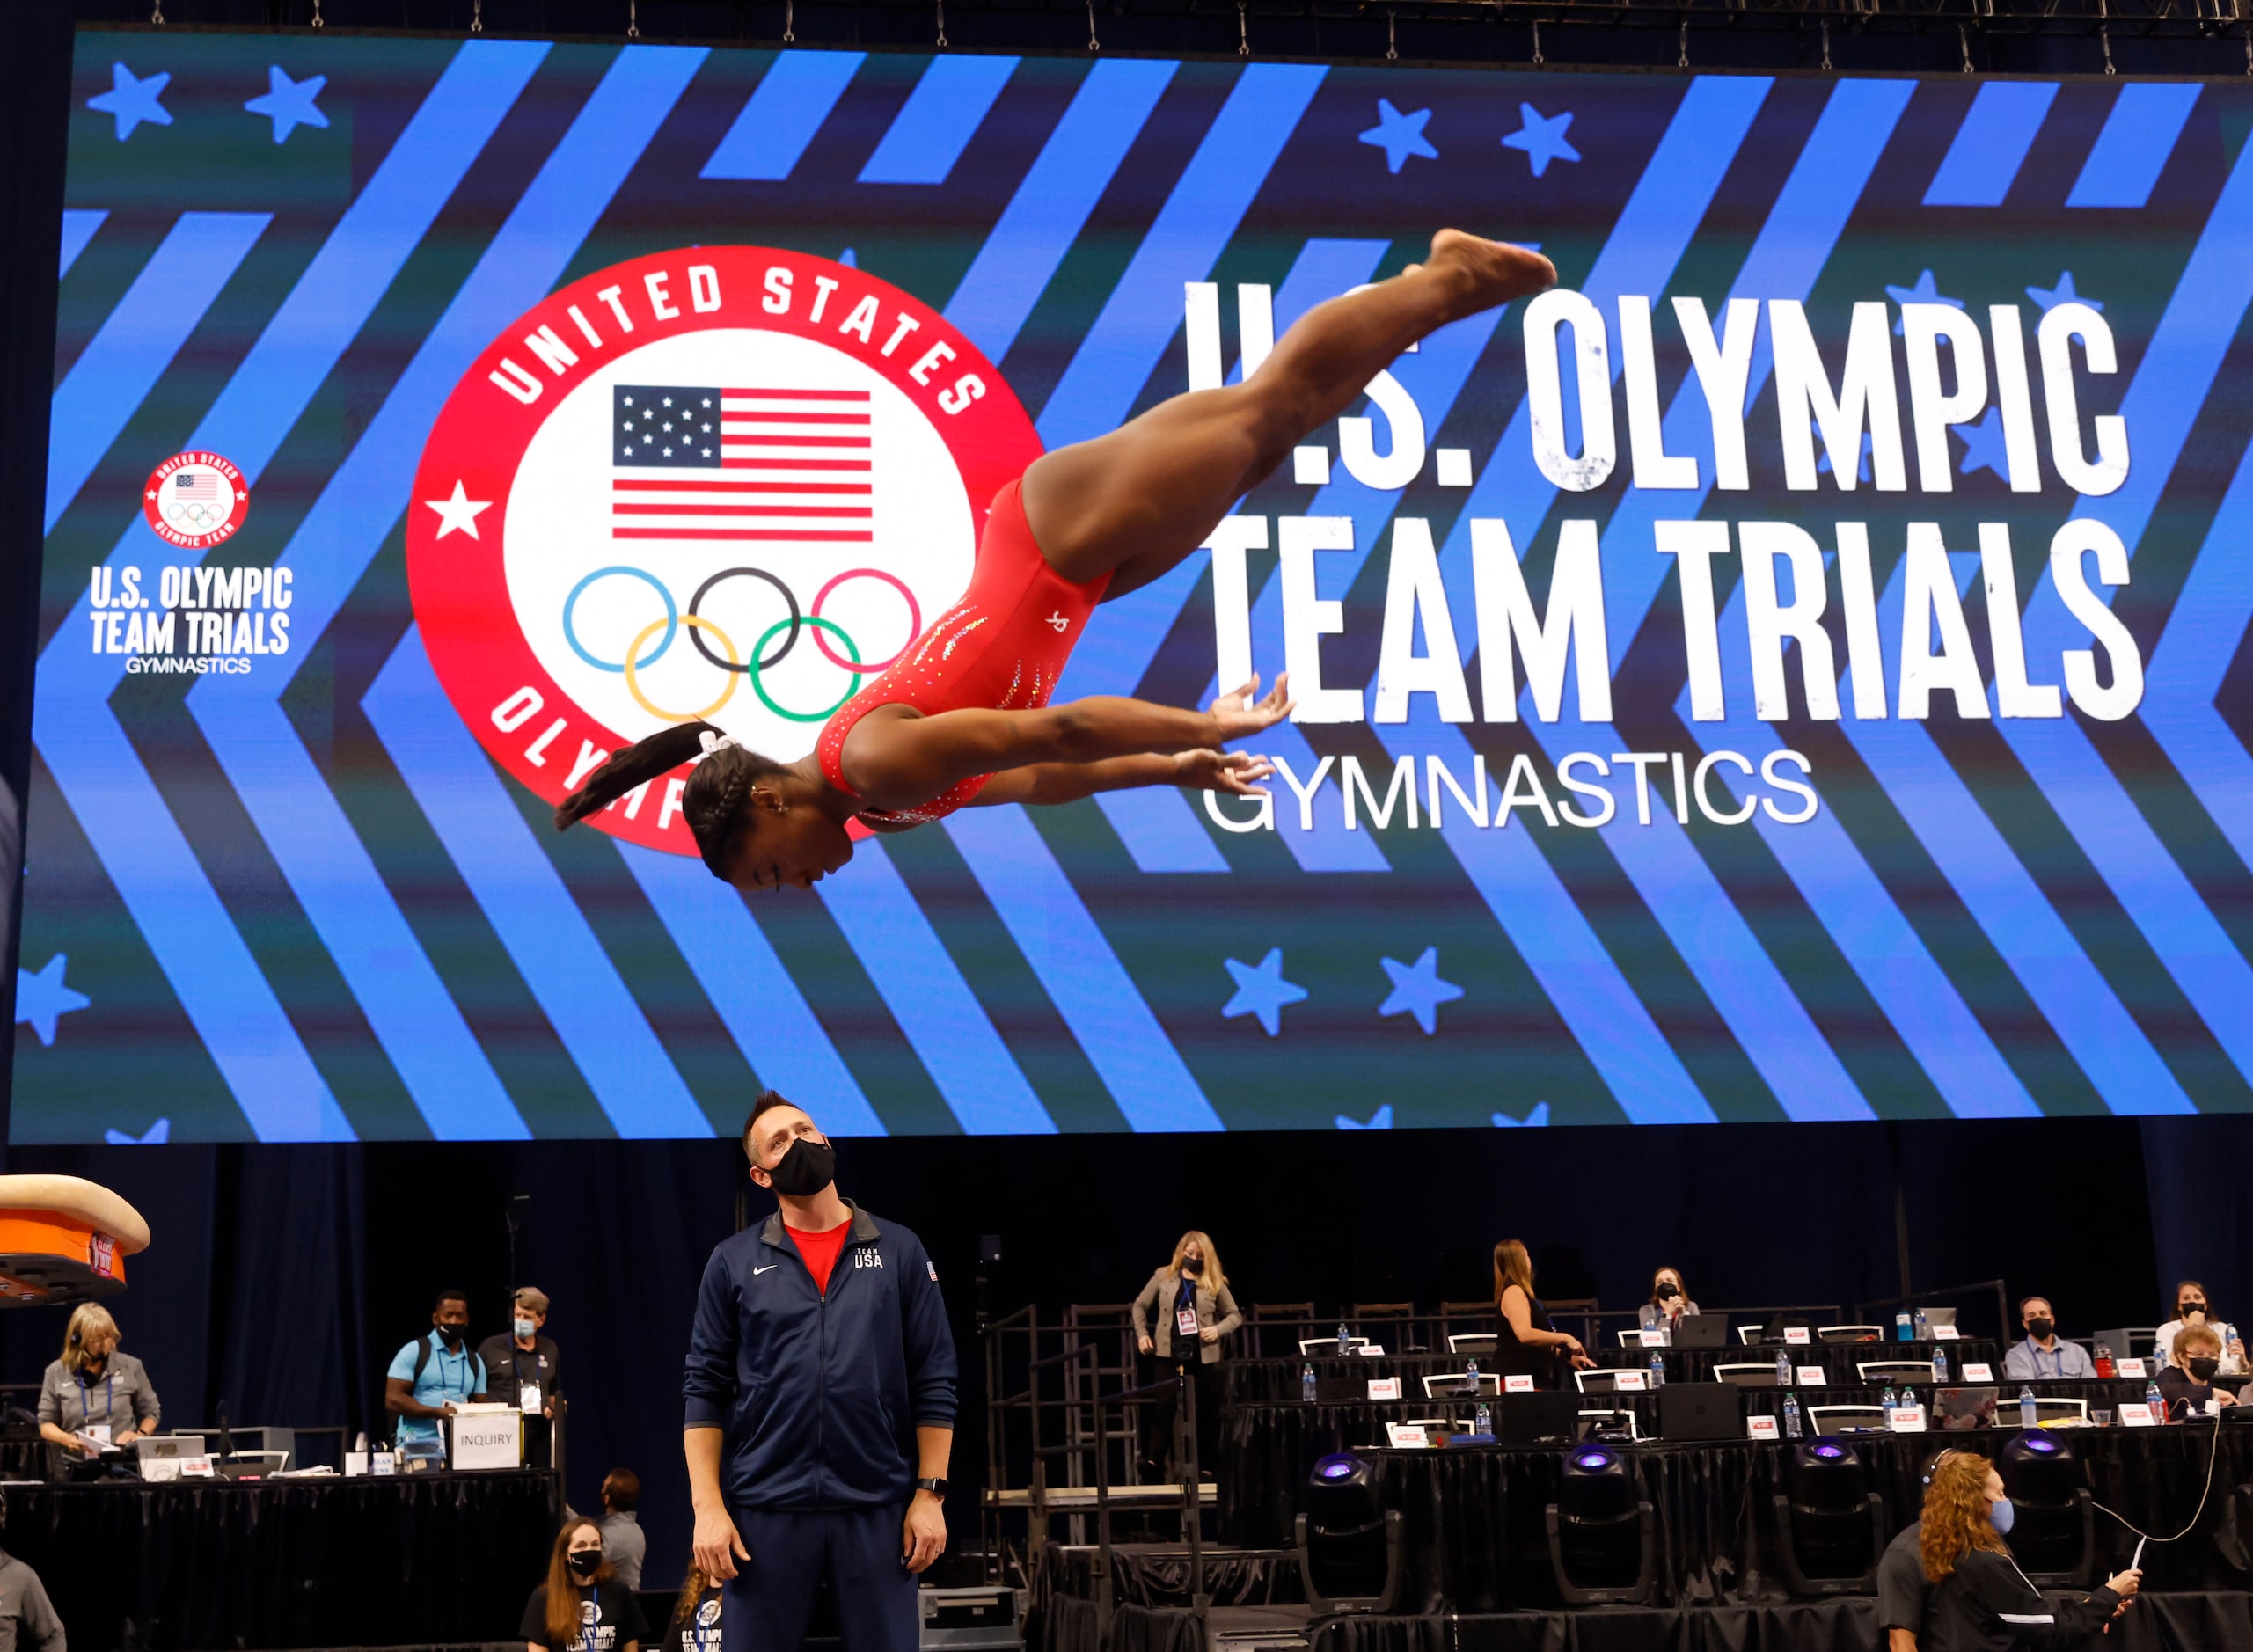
1544,1417
1701,1330
1940,1316
1956,1410
1701,1411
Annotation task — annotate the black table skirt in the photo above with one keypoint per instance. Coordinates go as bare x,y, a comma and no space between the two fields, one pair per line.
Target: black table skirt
2156,1623
1274,1381
428,1558
1475,1537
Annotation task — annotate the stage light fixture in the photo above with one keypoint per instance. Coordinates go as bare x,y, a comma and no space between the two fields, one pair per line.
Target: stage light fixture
2054,1535
1602,1540
1829,1524
1349,1548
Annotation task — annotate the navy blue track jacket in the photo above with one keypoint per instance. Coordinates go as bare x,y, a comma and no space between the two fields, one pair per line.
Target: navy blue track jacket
820,1395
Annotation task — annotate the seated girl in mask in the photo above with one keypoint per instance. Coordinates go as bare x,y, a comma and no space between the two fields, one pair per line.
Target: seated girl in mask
2188,1383
1669,1300
583,1607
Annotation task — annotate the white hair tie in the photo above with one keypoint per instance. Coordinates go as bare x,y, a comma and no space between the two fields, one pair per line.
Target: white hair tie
713,743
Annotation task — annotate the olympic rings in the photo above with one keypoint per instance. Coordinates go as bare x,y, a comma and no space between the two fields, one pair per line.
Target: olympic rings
695,623
788,596
858,670
671,623
915,617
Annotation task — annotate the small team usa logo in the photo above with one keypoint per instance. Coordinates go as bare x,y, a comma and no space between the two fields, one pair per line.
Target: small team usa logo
196,500
729,484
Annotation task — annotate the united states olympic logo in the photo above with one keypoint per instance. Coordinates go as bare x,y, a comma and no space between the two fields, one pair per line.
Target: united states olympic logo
726,483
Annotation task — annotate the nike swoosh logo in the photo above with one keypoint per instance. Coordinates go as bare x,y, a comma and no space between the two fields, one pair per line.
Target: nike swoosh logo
768,1268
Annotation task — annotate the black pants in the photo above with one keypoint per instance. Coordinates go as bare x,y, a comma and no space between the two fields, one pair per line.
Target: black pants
1161,1446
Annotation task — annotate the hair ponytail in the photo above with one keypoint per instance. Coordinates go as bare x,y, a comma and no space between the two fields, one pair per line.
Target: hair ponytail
710,803
637,765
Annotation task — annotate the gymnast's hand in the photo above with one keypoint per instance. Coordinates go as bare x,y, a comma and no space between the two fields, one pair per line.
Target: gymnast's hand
1237,771
1242,712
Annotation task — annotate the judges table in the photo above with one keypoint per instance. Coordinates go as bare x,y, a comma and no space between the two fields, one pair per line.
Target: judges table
1257,1381
275,1563
1474,1537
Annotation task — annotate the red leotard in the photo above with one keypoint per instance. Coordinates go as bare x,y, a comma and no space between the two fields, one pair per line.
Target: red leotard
1003,647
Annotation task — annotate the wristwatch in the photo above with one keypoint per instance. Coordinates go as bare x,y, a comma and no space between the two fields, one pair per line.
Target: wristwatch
936,1488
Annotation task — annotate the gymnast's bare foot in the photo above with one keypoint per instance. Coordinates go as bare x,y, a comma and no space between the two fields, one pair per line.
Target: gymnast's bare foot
1490,273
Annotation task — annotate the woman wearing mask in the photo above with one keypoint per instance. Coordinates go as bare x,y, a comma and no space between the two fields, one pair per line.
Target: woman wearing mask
2187,1385
1527,1344
1194,1308
1980,1601
1669,1301
695,1624
2193,1306
583,1607
95,1394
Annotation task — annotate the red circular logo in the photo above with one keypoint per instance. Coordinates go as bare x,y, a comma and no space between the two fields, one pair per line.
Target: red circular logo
726,483
195,500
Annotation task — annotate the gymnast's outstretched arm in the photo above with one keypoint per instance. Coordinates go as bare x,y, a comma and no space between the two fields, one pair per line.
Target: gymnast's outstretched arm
897,757
1203,770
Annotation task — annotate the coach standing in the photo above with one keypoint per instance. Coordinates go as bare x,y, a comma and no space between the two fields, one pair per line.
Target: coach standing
821,1370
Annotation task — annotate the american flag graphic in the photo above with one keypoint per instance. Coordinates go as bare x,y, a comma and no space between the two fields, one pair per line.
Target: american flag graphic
771,464
196,487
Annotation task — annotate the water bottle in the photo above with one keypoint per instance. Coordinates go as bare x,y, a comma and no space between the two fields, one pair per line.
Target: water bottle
2158,1406
1307,1382
1924,1327
1345,1341
1887,1402
1783,1368
1483,1420
1471,1372
1657,1369
1790,1415
1903,1331
1939,1364
2028,1415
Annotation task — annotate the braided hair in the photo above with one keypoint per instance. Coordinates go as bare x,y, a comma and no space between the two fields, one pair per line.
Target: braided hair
713,801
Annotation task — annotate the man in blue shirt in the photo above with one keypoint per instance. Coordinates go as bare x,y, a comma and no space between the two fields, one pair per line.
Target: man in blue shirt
2042,1356
433,1375
820,1407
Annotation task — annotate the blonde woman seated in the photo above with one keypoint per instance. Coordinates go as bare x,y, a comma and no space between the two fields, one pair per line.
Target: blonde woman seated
1194,1310
1980,1601
95,1395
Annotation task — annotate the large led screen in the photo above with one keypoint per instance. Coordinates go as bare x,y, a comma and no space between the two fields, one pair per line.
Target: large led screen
1789,672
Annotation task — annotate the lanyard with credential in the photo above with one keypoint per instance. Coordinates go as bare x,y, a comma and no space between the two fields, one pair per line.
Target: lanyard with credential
85,1401
445,1382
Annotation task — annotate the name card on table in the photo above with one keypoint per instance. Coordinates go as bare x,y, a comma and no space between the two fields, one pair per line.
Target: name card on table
1814,1376
2136,1413
1944,1332
1654,1338
2131,1367
1631,1382
1405,1436
1797,1335
1974,1372
195,1467
1760,1428
1908,1420
1383,1388
1370,1351
1518,1384
384,1463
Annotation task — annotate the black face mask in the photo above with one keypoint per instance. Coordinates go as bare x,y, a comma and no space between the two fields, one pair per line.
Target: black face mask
452,1335
2184,1310
2040,1329
1667,1291
1192,1264
806,1169
584,1563
2202,1369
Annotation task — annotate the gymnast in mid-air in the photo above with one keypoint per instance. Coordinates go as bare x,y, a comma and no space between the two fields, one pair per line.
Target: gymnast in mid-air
961,717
